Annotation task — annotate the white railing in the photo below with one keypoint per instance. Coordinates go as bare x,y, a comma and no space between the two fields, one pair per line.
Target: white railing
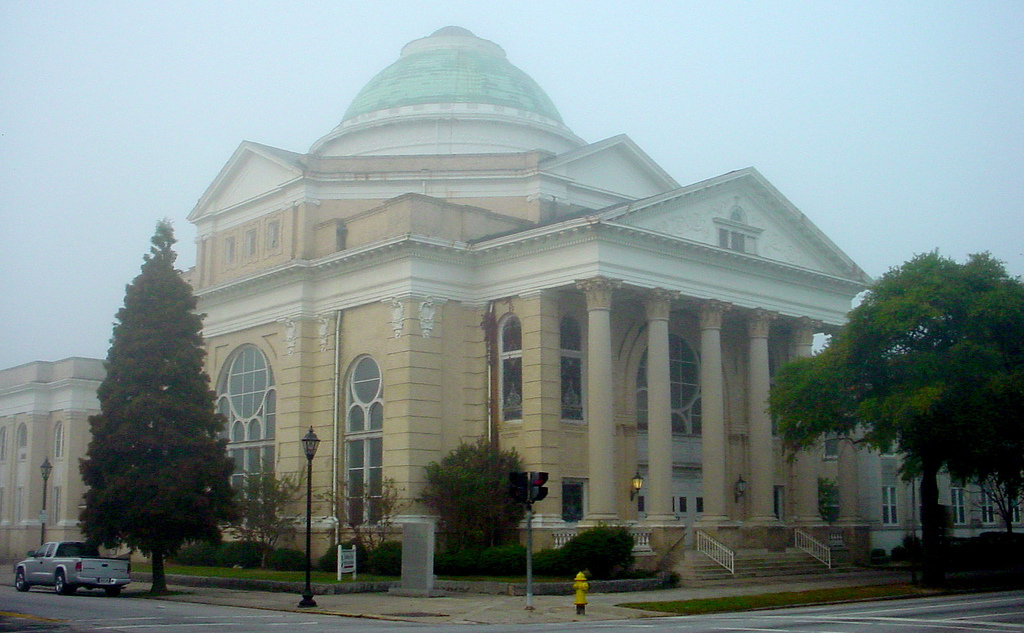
814,547
641,539
716,551
563,537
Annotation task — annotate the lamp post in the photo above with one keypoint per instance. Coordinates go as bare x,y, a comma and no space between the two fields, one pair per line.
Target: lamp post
45,468
309,444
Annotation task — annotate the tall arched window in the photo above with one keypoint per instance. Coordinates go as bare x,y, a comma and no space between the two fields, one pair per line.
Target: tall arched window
684,387
572,369
58,441
364,442
22,441
511,355
248,399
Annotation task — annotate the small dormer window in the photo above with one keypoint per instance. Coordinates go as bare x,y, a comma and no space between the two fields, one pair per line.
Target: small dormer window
735,234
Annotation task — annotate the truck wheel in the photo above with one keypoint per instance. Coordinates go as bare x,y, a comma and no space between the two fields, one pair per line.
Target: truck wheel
19,581
61,586
112,592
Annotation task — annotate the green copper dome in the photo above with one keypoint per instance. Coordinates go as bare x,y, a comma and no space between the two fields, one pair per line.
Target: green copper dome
452,66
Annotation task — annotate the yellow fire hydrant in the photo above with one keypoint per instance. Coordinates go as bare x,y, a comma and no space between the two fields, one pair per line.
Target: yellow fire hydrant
582,587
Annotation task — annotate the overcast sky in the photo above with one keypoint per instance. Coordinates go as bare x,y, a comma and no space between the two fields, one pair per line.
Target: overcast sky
897,127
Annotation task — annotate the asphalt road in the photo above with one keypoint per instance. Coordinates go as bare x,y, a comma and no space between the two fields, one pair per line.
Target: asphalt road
41,610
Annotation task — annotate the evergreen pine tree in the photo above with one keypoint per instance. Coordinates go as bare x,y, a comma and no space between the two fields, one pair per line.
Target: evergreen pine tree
157,474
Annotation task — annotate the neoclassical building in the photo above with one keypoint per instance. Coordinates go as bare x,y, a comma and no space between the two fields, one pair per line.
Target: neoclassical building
452,263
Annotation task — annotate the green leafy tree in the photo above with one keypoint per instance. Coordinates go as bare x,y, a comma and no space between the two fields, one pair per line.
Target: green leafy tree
157,474
262,500
932,362
468,491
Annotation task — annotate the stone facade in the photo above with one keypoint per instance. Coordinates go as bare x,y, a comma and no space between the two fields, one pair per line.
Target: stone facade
44,415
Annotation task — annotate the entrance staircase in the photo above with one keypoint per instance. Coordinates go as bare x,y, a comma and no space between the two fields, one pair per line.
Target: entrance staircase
751,566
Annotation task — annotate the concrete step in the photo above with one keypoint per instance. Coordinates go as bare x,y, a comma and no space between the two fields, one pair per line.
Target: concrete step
698,570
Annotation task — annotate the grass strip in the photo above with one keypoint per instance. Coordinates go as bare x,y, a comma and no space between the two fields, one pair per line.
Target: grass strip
775,600
256,574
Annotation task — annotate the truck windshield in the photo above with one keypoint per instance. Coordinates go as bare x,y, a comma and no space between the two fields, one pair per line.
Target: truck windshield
77,550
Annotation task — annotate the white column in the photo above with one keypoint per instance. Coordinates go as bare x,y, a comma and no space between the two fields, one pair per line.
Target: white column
807,461
659,410
762,446
600,404
713,438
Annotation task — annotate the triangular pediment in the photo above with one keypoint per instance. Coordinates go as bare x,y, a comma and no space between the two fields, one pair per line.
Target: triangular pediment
739,213
253,171
615,165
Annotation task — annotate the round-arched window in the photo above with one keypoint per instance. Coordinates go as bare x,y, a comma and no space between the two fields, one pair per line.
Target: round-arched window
248,399
511,377
364,441
365,397
684,387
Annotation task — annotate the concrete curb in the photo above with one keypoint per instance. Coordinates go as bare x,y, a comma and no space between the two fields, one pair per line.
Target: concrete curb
452,586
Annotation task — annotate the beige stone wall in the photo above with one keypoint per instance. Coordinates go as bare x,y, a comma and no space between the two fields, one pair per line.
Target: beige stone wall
44,396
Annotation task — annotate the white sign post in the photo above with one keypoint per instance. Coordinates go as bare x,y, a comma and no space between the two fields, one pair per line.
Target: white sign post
346,561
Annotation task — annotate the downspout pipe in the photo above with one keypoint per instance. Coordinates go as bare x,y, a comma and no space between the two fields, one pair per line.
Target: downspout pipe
336,422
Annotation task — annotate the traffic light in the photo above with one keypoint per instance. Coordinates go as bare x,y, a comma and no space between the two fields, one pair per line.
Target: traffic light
519,486
537,488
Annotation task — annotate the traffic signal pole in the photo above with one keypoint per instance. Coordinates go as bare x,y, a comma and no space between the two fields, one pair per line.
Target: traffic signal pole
529,557
527,488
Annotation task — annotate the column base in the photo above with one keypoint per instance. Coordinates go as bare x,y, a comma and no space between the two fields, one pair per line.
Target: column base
661,520
762,521
594,520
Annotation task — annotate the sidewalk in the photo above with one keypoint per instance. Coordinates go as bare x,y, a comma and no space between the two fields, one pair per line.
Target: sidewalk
476,608
470,608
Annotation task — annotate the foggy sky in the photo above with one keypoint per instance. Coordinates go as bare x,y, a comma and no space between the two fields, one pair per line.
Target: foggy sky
896,127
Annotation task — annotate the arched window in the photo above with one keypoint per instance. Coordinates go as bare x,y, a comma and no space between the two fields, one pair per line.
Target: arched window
511,356
364,442
572,369
365,397
247,398
684,387
22,440
58,441
3,443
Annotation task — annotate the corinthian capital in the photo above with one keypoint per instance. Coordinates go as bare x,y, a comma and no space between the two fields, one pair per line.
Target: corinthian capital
599,291
658,302
758,322
711,312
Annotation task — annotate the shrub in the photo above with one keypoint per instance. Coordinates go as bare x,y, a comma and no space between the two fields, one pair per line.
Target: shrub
245,554
329,560
552,562
386,560
201,554
600,550
505,560
461,563
284,559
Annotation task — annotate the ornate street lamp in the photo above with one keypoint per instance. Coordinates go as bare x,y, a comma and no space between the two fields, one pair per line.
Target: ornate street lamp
635,484
45,468
309,444
739,489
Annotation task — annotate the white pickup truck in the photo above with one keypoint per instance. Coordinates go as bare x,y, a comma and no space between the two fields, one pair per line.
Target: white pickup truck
68,565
